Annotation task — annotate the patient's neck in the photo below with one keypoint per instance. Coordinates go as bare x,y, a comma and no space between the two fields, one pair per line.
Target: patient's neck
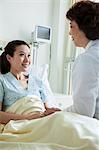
18,75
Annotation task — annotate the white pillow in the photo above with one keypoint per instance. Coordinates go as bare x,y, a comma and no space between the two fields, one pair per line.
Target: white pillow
42,73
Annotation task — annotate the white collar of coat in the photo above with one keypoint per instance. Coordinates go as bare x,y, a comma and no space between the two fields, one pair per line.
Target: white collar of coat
91,42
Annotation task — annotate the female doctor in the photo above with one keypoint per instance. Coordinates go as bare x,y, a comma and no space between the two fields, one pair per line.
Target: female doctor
84,30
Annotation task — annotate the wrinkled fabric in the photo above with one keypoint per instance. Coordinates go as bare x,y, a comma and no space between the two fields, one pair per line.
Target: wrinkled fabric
59,131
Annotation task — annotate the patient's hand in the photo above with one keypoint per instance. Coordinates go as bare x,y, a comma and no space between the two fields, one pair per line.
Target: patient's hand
49,111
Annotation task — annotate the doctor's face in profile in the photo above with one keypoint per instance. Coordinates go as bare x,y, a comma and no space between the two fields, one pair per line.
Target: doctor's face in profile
76,34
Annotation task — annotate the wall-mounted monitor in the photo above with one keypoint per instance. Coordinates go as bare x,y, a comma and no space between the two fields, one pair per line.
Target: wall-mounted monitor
42,34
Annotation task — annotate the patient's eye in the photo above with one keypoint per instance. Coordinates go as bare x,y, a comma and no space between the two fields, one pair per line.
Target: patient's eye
24,55
29,55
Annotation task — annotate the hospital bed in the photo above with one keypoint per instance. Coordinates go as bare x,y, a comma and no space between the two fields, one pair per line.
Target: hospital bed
60,131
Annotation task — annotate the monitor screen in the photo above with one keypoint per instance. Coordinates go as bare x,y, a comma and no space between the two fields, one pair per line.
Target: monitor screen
43,34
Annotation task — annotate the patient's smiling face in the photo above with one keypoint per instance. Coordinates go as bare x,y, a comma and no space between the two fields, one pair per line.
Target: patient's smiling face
21,60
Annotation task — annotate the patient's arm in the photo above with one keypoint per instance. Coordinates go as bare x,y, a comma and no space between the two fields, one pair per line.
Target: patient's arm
5,117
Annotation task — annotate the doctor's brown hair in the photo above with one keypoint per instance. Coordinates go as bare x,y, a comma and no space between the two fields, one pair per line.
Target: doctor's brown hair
86,15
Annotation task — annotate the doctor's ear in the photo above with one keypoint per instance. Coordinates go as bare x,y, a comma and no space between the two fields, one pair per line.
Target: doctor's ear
8,57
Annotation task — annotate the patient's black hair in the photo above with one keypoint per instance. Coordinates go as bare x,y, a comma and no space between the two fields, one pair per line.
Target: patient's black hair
86,15
9,49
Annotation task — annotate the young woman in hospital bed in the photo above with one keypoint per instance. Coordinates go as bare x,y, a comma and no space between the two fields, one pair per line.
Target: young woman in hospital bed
15,84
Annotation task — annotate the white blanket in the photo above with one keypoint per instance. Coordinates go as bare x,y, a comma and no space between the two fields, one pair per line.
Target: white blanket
59,131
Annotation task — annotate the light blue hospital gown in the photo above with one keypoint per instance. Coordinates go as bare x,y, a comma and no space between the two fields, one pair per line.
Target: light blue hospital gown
11,89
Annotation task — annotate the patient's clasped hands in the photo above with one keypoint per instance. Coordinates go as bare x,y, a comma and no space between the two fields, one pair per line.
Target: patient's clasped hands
47,112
